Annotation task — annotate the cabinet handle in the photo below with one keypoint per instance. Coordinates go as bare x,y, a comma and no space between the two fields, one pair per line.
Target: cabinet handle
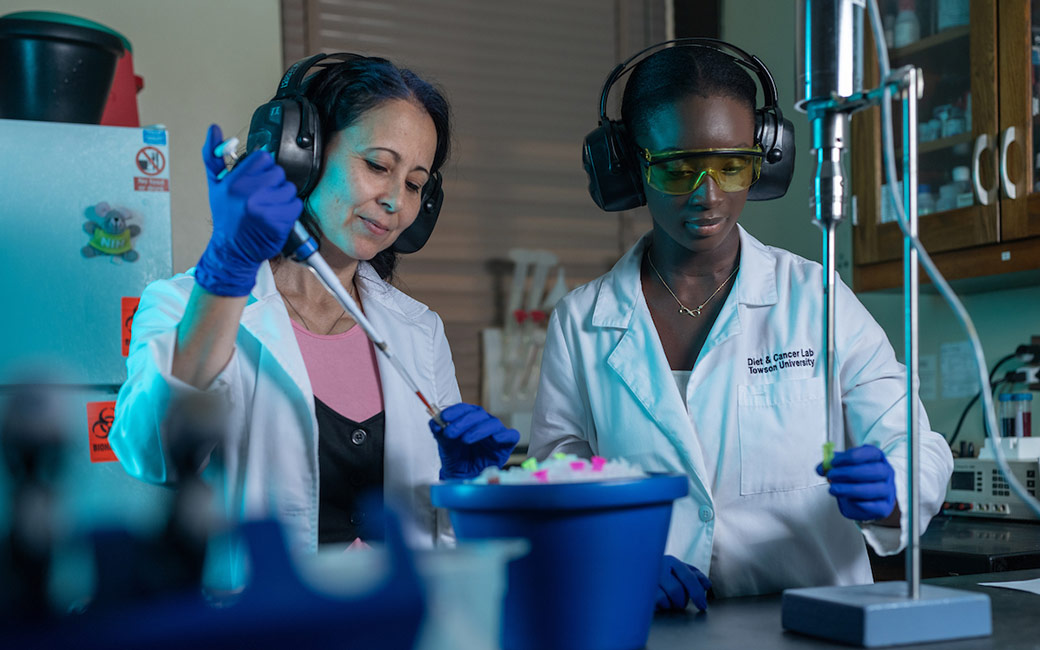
1010,190
982,195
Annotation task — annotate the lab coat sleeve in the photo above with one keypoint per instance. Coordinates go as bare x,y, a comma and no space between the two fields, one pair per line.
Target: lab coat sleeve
444,368
447,393
562,419
873,386
139,431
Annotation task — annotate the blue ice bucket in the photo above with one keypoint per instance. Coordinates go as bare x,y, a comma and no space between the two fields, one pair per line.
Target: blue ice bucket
590,580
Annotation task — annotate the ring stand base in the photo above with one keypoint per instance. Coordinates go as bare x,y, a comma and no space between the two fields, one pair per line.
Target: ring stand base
882,614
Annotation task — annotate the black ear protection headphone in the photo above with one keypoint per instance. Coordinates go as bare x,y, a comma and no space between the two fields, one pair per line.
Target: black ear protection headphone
613,169
289,128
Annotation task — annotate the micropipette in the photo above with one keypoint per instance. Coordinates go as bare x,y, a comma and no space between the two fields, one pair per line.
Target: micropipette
302,248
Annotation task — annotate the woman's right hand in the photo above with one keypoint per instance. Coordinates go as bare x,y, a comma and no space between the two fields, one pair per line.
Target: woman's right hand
254,208
471,440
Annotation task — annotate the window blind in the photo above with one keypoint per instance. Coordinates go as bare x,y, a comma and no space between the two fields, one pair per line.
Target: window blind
523,80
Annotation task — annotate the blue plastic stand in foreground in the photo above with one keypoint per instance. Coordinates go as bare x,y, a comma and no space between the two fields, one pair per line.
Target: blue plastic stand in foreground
275,610
882,614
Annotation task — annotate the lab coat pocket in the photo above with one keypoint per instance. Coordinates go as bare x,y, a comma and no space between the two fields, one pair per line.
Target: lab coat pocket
782,430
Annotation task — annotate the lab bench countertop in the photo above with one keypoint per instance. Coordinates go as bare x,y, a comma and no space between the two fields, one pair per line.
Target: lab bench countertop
754,622
956,545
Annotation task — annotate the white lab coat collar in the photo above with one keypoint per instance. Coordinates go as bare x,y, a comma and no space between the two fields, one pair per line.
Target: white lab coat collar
377,298
371,287
270,326
619,296
384,306
639,358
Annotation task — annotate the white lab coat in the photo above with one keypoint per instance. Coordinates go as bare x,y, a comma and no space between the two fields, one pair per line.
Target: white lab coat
760,519
271,451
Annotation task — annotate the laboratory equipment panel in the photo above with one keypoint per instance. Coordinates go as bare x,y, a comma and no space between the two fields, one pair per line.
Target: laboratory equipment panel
978,489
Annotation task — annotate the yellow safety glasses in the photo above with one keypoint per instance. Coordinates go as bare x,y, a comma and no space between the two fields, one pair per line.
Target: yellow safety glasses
682,172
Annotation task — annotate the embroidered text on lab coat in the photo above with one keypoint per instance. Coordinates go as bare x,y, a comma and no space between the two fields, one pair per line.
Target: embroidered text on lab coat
772,362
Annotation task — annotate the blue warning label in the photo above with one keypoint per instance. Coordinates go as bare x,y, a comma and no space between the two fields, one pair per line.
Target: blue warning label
154,136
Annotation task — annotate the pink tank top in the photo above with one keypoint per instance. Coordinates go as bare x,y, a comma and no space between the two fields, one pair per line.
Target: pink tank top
343,371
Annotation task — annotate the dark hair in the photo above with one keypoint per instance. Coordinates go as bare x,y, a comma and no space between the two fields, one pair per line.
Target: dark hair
669,75
343,92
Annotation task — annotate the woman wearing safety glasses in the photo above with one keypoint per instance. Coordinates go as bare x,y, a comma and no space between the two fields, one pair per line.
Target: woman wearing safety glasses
697,353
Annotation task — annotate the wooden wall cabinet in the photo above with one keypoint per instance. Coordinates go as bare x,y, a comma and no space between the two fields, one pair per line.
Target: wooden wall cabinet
978,117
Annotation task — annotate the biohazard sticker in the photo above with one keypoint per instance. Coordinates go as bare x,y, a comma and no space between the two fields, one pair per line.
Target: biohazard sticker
129,308
100,416
151,161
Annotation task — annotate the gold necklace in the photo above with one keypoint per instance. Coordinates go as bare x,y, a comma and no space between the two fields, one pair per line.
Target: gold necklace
683,309
305,324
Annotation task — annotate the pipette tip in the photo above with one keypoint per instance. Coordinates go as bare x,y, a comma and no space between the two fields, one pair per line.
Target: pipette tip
228,150
432,409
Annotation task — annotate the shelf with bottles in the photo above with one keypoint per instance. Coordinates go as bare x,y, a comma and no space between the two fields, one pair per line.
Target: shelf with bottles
945,128
952,36
960,143
945,108
912,26
957,145
980,70
939,189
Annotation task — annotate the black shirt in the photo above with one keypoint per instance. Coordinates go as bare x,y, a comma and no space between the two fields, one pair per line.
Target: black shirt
350,475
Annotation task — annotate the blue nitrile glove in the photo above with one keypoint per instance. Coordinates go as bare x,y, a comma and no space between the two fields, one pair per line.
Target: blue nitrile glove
863,482
472,440
254,207
680,582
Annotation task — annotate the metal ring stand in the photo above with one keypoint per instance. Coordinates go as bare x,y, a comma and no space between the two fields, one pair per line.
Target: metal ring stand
885,613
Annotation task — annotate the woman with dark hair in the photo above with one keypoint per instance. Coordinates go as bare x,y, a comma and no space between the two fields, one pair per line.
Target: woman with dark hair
697,354
315,418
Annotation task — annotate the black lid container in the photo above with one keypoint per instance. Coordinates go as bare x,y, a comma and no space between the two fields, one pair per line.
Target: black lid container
55,68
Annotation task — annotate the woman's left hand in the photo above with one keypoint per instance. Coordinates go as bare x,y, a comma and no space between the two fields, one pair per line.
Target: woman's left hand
472,440
863,482
680,583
